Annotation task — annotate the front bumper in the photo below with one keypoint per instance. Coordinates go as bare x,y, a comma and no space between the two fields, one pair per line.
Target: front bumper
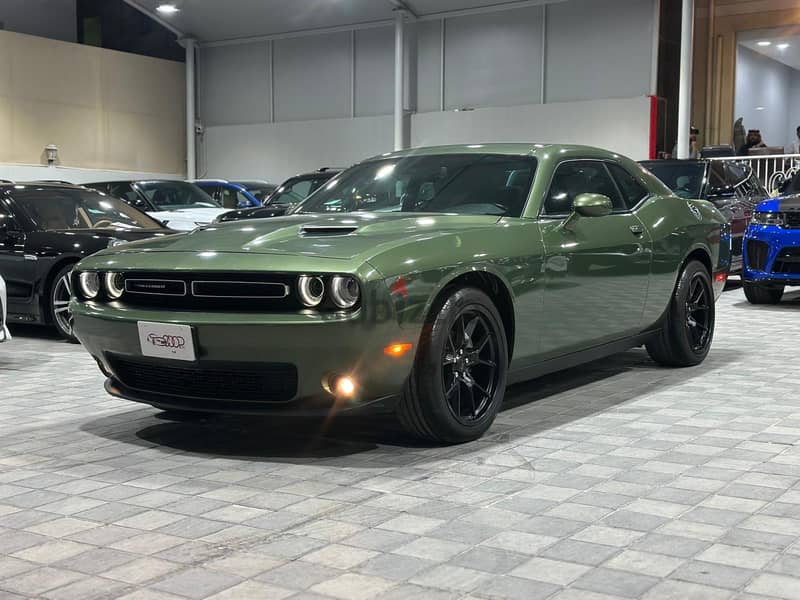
771,255
233,349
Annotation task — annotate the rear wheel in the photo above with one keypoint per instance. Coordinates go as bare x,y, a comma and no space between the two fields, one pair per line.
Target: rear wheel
458,382
60,314
762,294
688,329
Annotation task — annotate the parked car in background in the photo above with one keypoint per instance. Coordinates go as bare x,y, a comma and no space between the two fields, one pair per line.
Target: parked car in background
236,194
4,333
288,195
731,186
179,205
44,230
772,250
423,282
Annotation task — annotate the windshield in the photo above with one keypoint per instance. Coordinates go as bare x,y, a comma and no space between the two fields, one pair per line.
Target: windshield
685,179
259,190
475,184
294,191
58,209
175,195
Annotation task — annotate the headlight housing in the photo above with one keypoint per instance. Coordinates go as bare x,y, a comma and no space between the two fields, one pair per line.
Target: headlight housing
89,283
115,285
767,218
345,291
311,290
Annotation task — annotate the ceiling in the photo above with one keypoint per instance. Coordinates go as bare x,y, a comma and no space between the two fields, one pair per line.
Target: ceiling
220,20
777,38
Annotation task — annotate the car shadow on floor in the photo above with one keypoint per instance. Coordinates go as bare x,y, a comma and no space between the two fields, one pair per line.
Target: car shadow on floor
41,332
282,439
790,301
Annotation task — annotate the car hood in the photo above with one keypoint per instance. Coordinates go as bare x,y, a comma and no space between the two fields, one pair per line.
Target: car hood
790,203
344,236
128,235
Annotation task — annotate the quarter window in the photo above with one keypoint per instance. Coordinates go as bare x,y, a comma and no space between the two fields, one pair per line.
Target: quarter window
632,191
574,178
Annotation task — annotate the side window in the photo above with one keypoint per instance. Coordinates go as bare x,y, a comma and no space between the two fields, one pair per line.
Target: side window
632,191
242,201
227,197
125,192
574,178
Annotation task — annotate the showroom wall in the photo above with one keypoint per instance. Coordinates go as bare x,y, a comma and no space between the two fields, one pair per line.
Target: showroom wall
330,96
56,19
107,112
767,96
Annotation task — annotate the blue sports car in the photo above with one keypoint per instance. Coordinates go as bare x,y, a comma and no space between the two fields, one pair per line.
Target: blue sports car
772,250
236,194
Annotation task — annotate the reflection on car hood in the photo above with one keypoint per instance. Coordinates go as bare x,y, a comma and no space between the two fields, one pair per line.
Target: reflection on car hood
342,237
185,216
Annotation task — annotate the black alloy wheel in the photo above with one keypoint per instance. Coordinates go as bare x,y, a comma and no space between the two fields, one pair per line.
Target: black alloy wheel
698,313
469,367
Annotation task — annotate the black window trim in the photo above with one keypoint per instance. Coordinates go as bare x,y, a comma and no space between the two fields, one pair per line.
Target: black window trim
605,162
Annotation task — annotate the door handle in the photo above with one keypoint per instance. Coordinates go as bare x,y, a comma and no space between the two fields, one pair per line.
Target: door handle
637,229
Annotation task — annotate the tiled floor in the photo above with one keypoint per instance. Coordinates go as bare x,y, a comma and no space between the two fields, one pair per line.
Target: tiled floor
617,479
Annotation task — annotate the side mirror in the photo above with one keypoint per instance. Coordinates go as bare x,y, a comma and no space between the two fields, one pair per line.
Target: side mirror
593,205
588,205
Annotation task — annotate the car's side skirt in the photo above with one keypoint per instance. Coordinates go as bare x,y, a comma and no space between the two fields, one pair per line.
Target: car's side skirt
578,358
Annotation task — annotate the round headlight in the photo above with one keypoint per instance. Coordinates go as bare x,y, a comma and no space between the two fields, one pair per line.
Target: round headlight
344,291
115,285
90,284
311,290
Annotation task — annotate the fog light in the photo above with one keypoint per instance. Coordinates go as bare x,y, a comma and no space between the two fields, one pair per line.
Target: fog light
722,277
342,386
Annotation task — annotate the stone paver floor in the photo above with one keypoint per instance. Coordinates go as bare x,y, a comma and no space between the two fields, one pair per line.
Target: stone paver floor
614,480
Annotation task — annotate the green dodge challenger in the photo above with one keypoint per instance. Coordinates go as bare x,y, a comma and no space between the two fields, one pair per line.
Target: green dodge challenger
422,282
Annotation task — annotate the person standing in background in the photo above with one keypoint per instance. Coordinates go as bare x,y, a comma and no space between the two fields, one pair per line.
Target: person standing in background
693,133
753,141
796,142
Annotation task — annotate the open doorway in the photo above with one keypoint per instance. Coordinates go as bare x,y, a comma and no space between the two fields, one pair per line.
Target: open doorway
767,96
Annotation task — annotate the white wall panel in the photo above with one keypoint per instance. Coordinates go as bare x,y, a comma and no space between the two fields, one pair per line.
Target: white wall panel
621,125
278,150
312,77
598,49
374,72
494,59
767,97
234,84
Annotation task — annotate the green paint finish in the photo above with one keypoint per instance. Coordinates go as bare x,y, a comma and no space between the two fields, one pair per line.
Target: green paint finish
568,283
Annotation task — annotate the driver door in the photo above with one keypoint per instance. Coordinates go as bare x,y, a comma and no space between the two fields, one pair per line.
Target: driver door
597,269
17,269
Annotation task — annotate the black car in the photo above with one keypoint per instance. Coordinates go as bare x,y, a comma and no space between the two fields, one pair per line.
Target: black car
288,195
44,230
731,186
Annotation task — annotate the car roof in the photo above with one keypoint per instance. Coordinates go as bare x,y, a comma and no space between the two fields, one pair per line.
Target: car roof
42,184
543,151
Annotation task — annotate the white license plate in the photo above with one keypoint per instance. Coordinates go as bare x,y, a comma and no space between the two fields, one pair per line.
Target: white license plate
165,340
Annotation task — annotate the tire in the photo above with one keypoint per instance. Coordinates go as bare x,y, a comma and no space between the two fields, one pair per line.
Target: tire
58,304
688,328
458,380
762,294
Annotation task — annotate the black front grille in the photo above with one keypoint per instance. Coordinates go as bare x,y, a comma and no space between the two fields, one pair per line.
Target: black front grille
195,290
787,261
259,382
791,220
757,253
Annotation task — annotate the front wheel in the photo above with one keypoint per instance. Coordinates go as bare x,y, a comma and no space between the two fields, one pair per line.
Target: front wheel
762,294
459,377
688,328
60,314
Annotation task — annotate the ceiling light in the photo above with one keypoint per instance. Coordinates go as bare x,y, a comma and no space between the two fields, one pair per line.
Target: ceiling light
167,9
765,43
783,46
759,108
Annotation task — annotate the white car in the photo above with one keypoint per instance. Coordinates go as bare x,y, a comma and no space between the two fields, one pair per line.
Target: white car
178,204
4,333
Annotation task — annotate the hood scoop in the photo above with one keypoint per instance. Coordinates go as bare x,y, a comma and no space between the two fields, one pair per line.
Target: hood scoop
327,230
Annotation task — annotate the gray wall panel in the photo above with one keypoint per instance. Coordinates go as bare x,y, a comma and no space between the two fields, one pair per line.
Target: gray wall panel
494,59
429,67
234,84
312,77
55,19
374,72
598,49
